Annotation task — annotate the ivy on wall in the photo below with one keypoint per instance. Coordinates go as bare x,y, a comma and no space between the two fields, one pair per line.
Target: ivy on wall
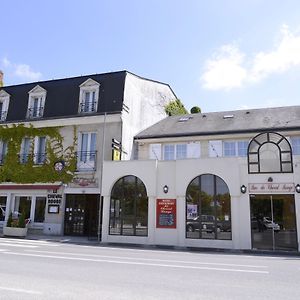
13,170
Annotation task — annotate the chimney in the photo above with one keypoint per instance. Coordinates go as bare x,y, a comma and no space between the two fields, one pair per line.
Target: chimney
1,79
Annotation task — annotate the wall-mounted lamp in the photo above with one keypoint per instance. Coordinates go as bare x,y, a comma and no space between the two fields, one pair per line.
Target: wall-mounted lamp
165,189
243,189
270,179
297,187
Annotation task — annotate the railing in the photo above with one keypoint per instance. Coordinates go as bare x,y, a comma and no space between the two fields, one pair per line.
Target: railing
38,158
2,157
35,112
3,115
88,106
86,160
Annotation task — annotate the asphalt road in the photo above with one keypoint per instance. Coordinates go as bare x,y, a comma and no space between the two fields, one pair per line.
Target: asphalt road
53,270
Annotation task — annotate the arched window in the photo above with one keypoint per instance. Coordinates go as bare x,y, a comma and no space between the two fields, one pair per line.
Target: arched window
129,207
208,208
269,152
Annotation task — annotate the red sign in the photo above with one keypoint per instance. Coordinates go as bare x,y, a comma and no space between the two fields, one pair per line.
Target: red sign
166,213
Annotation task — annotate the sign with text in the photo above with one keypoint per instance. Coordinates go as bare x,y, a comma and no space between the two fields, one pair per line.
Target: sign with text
165,213
271,188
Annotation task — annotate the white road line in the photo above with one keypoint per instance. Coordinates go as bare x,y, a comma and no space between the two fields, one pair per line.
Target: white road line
146,259
20,245
27,242
20,290
139,263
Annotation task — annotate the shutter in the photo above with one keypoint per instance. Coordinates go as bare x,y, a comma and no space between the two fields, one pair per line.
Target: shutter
155,151
215,148
193,150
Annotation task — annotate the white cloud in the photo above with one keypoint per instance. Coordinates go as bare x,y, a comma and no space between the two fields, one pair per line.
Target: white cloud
22,71
224,71
230,68
25,72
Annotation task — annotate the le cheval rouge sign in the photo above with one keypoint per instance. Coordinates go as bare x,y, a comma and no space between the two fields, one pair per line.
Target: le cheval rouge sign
271,187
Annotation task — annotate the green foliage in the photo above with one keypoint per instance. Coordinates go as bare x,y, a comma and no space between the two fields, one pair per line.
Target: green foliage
22,223
195,110
13,171
175,108
9,221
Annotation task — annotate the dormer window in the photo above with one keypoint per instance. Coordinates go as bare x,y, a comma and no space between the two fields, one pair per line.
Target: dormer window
4,103
36,102
89,95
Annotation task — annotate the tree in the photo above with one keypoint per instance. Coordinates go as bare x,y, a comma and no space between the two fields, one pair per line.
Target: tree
195,110
175,107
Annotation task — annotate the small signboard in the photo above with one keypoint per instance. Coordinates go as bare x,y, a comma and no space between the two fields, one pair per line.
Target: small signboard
166,213
256,188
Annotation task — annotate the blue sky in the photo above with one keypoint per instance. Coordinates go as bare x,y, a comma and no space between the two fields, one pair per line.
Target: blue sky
219,55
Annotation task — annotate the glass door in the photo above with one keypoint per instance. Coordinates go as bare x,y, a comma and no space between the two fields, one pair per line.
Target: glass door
273,222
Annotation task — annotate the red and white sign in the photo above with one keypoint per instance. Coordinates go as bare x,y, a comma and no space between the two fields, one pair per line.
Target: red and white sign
271,188
166,213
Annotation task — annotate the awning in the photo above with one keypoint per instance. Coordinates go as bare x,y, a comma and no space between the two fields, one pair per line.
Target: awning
30,186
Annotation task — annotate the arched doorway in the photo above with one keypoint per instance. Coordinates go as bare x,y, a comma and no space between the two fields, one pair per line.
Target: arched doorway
128,207
208,214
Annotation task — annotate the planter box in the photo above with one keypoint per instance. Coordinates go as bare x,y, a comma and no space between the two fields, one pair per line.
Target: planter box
14,231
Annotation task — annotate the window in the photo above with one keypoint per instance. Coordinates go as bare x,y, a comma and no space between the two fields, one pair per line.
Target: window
235,148
88,98
181,151
40,150
39,212
295,141
87,153
23,206
36,102
128,207
269,152
169,152
25,150
208,214
4,103
2,207
3,151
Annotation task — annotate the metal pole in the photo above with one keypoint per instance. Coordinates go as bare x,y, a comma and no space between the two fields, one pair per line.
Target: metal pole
101,178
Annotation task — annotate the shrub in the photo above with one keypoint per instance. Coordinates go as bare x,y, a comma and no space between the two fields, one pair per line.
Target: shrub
9,220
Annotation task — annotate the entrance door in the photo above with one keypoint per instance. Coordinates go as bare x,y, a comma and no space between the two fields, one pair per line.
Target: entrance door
273,222
81,215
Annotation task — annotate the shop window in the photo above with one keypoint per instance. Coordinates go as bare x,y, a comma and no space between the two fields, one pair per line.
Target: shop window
269,152
129,208
2,207
39,212
22,206
208,214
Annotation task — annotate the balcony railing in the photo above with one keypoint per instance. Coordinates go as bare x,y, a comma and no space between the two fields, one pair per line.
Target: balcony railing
86,160
86,107
35,112
3,115
38,158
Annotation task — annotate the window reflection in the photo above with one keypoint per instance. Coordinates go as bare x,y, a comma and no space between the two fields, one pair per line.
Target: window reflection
208,209
129,207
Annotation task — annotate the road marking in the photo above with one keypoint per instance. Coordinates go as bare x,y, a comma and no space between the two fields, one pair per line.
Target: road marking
147,259
31,242
20,290
21,245
139,263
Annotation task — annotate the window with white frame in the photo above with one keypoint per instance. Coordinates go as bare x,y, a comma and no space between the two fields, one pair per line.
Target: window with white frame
36,102
25,150
89,95
295,142
40,150
3,151
235,148
181,151
86,156
4,103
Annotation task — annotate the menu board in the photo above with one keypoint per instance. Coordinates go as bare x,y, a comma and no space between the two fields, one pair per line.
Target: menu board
166,213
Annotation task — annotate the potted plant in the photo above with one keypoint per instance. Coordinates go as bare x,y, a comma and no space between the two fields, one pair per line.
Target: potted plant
15,227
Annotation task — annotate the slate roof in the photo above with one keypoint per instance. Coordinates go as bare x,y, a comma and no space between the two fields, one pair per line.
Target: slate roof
62,98
227,122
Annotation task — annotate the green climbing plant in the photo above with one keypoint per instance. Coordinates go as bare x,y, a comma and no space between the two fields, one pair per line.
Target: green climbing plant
13,170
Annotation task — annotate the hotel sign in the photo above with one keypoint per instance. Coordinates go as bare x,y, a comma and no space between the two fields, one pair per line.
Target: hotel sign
271,188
